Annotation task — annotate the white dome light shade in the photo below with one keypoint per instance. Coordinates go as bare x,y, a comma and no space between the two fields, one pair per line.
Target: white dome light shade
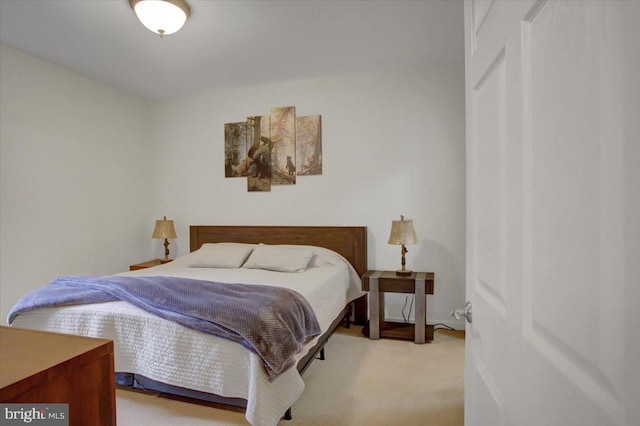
161,16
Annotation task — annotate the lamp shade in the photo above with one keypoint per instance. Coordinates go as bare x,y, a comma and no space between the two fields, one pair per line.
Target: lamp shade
164,229
402,232
161,16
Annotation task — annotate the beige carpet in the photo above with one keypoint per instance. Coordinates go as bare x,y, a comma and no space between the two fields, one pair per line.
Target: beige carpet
362,382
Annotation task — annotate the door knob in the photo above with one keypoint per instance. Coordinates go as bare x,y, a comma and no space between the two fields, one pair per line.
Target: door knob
465,312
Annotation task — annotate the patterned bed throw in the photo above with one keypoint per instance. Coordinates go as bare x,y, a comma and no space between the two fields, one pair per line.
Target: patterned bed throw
273,322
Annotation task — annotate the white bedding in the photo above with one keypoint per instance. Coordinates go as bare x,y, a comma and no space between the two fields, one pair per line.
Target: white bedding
170,353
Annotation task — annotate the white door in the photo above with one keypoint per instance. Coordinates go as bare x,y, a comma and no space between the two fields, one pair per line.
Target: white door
553,153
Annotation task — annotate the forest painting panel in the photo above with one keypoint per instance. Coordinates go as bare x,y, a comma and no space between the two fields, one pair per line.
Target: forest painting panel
259,152
283,140
309,145
273,149
236,163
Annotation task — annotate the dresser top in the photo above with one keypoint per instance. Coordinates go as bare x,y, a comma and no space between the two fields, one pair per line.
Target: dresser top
25,353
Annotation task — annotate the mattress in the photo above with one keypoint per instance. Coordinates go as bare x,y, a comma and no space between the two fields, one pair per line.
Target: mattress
170,353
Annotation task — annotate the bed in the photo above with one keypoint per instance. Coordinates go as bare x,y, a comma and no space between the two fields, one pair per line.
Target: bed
157,354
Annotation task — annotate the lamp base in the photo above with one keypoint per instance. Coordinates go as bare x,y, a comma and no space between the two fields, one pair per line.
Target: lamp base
404,273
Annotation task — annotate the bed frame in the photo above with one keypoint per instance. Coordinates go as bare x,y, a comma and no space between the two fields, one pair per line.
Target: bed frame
349,241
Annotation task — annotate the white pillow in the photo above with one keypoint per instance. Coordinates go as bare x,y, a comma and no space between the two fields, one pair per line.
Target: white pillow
221,255
279,258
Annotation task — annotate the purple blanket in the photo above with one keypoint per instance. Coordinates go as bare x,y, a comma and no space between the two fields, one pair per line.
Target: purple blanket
273,322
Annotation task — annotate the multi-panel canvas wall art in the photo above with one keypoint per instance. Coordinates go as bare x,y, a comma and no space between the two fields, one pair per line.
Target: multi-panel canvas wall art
274,149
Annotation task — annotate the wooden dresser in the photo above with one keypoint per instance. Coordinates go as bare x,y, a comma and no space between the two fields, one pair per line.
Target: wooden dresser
43,367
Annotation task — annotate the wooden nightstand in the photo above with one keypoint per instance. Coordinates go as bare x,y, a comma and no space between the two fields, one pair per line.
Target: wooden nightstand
148,264
377,283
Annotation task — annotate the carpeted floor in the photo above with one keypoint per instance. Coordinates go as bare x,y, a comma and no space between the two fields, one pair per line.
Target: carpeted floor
361,382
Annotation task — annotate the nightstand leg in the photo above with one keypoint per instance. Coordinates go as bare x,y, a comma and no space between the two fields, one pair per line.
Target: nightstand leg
374,306
421,308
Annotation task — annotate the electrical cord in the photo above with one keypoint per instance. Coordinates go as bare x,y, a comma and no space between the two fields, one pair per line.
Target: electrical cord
437,326
441,326
403,308
407,317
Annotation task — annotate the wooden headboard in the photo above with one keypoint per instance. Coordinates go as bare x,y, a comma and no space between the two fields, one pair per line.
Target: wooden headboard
349,241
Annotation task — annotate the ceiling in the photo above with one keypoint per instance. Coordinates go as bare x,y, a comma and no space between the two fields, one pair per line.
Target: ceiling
233,43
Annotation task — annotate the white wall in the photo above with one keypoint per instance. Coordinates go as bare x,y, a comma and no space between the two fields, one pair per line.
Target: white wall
75,176
393,143
86,169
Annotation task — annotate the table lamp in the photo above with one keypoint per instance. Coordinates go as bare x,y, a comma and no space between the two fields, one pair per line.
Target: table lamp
402,233
164,229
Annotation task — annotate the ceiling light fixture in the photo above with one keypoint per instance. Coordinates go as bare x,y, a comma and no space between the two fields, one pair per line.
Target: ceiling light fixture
161,16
